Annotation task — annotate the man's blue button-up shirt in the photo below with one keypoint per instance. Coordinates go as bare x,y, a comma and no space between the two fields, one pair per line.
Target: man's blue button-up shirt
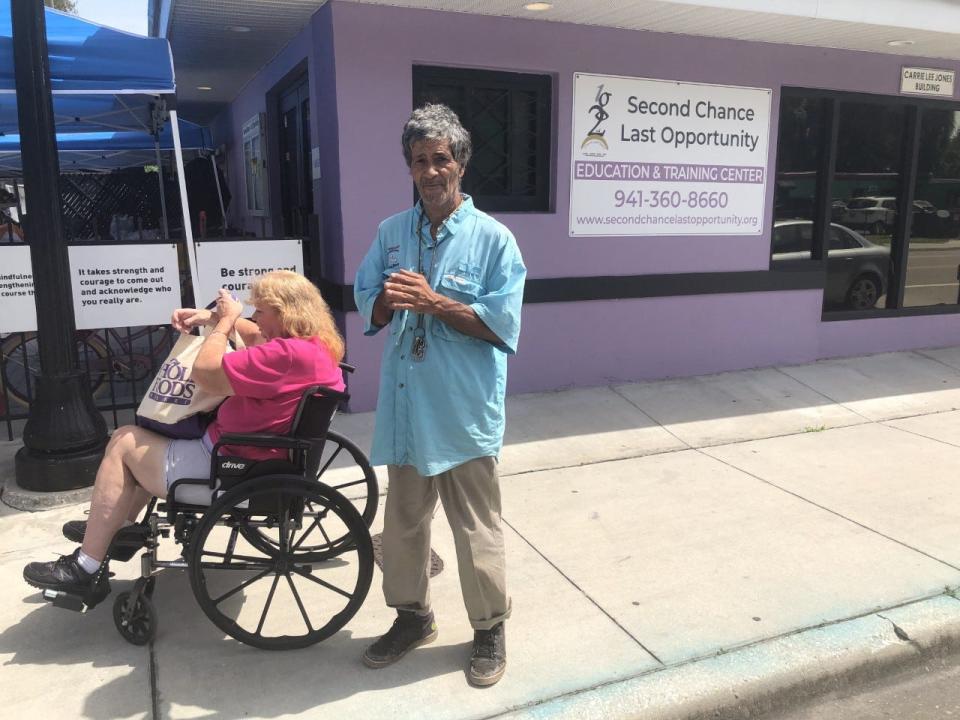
447,408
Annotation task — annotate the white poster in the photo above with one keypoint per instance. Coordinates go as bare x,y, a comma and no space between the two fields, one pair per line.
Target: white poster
18,311
658,157
234,264
124,285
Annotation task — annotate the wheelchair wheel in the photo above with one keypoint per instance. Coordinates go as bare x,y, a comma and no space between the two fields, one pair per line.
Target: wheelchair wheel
356,481
137,624
281,594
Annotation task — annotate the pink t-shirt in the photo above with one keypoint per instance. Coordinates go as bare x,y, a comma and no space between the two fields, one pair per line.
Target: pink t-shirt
268,381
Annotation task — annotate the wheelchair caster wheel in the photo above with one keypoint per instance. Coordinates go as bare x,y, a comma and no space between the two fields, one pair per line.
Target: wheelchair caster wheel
135,617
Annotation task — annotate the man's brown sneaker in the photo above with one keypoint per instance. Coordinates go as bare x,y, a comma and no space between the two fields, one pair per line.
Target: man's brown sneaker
489,658
408,631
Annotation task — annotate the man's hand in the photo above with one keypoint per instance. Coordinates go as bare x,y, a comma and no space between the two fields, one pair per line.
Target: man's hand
407,290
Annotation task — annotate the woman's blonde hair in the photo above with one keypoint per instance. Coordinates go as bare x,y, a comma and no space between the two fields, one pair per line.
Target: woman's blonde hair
303,312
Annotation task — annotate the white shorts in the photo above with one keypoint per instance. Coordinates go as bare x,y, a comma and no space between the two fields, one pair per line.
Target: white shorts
189,459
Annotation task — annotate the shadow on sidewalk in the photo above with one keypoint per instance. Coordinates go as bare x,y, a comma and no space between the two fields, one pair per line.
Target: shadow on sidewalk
55,638
199,668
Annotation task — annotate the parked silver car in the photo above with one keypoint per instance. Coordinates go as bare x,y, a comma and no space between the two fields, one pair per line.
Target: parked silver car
856,268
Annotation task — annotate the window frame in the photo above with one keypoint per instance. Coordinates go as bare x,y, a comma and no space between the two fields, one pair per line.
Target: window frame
905,209
541,201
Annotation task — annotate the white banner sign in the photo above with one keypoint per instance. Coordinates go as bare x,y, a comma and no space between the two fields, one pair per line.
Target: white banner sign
124,285
927,81
657,157
18,312
234,264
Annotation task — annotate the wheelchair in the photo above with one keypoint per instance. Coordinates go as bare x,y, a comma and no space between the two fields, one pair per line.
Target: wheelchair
278,560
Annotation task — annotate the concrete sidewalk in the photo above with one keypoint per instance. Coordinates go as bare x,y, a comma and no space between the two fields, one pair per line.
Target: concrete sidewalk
717,546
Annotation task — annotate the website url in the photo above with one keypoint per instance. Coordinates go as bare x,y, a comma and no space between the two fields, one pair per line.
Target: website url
699,220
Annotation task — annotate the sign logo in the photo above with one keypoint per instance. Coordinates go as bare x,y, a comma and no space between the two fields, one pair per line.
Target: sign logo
173,384
598,110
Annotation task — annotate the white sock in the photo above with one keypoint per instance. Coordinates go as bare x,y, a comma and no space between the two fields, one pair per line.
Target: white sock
87,563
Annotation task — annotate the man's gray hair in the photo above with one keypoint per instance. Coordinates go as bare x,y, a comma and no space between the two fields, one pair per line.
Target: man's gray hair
434,121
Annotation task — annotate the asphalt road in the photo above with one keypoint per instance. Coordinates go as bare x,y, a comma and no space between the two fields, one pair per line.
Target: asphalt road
931,275
931,693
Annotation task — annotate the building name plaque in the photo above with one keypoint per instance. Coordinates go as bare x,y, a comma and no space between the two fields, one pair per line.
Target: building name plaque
927,81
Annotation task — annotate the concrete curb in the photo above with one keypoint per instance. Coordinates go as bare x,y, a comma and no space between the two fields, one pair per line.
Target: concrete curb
771,675
19,499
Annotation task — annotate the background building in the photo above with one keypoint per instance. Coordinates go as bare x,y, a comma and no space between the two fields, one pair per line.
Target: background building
851,241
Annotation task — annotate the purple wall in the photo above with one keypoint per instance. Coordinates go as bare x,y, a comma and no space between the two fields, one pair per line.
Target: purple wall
364,54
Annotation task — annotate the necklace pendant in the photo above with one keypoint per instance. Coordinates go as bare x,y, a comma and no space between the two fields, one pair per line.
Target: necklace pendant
419,346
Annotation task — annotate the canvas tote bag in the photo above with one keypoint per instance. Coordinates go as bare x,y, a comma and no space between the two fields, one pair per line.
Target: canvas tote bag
174,405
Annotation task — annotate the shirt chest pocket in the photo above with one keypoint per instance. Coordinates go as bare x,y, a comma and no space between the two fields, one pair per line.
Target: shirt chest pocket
463,290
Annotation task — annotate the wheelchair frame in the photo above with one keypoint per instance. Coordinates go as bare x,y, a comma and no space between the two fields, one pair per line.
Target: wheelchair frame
265,504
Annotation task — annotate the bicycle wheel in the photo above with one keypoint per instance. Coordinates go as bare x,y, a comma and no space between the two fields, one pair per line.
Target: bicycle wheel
146,348
20,356
283,596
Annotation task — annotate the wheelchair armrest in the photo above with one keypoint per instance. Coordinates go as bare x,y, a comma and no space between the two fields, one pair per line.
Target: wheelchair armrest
261,440
282,442
347,368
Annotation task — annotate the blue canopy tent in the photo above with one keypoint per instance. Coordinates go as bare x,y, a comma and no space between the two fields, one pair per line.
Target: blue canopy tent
95,151
103,80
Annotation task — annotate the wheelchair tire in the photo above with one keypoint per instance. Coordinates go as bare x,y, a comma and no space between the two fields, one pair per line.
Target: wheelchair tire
222,557
139,625
363,475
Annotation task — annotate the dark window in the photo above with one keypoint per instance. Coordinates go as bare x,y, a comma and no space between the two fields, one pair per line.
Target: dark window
933,259
508,116
880,178
798,158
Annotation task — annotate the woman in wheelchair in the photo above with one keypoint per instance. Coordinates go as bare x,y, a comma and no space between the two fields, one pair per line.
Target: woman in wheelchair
291,344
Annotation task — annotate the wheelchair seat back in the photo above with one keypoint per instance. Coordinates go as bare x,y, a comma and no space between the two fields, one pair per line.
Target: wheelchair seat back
316,411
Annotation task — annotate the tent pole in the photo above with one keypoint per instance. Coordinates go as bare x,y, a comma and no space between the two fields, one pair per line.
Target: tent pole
185,206
164,227
223,210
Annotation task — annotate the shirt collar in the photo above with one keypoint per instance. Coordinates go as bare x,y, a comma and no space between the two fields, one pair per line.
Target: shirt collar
453,222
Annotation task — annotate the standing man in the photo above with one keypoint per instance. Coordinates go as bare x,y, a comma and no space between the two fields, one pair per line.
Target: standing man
448,280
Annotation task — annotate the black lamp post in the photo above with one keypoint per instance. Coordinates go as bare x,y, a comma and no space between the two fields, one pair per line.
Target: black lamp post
65,434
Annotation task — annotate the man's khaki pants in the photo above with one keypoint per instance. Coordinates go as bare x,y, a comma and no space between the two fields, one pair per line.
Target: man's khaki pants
470,494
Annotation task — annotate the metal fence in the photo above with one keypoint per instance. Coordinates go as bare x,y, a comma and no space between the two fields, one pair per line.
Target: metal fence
119,363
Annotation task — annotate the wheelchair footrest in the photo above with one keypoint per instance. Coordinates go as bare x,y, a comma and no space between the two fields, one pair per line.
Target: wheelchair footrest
65,600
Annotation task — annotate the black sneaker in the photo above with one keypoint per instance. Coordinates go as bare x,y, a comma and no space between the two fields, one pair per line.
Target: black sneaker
408,631
66,575
489,658
74,530
126,543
